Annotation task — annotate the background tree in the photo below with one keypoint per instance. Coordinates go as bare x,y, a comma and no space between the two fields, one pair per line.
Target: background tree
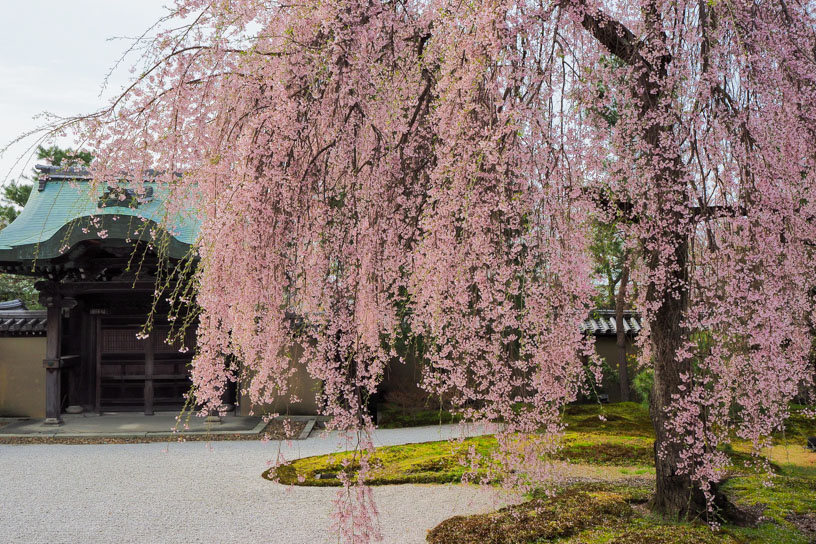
65,157
613,257
608,260
613,263
19,287
15,195
349,146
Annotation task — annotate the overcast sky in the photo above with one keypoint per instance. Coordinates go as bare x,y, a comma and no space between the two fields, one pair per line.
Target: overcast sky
54,55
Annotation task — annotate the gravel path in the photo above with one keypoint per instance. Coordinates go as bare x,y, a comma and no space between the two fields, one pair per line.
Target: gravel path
192,492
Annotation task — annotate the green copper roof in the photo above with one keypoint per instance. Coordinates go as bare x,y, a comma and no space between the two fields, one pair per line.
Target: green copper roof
65,209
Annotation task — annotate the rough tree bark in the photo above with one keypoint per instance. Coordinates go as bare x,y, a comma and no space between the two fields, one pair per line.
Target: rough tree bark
675,495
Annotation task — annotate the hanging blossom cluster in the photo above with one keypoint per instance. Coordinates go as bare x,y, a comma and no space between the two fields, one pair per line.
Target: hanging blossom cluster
367,168
362,170
500,277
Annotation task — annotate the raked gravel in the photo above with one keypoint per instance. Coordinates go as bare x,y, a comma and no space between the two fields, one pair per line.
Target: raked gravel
202,493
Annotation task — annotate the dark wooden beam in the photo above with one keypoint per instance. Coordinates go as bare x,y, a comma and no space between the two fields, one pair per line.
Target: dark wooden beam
53,372
72,343
149,371
94,287
97,325
625,210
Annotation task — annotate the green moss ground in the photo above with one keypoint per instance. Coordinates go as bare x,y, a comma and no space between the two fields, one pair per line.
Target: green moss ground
797,428
624,439
538,520
607,511
791,492
430,462
598,514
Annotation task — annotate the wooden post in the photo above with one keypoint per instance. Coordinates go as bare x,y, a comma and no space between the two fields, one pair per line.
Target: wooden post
53,375
73,347
87,369
148,386
97,325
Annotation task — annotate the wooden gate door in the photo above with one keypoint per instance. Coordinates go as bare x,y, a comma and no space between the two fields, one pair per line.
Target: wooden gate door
140,373
121,361
170,370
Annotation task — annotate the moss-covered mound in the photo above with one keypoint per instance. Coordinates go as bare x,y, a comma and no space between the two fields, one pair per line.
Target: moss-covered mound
615,513
672,534
429,462
781,498
798,427
538,520
602,513
605,449
394,416
621,418
441,462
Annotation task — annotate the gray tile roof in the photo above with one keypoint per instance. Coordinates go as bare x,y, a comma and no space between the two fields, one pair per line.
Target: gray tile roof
602,323
15,304
16,320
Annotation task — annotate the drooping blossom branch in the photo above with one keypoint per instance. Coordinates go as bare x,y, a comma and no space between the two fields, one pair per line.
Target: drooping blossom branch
367,168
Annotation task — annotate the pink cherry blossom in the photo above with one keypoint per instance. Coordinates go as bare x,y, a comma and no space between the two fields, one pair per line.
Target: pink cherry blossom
365,171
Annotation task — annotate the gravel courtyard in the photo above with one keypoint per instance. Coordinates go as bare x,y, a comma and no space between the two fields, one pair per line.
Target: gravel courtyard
200,493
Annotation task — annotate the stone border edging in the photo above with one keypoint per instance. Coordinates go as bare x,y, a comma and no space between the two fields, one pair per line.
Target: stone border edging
307,430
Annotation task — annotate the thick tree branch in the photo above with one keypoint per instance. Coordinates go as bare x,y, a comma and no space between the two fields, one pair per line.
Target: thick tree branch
613,35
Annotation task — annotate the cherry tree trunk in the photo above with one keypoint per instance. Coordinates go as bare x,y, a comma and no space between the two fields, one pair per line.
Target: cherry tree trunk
675,495
666,247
